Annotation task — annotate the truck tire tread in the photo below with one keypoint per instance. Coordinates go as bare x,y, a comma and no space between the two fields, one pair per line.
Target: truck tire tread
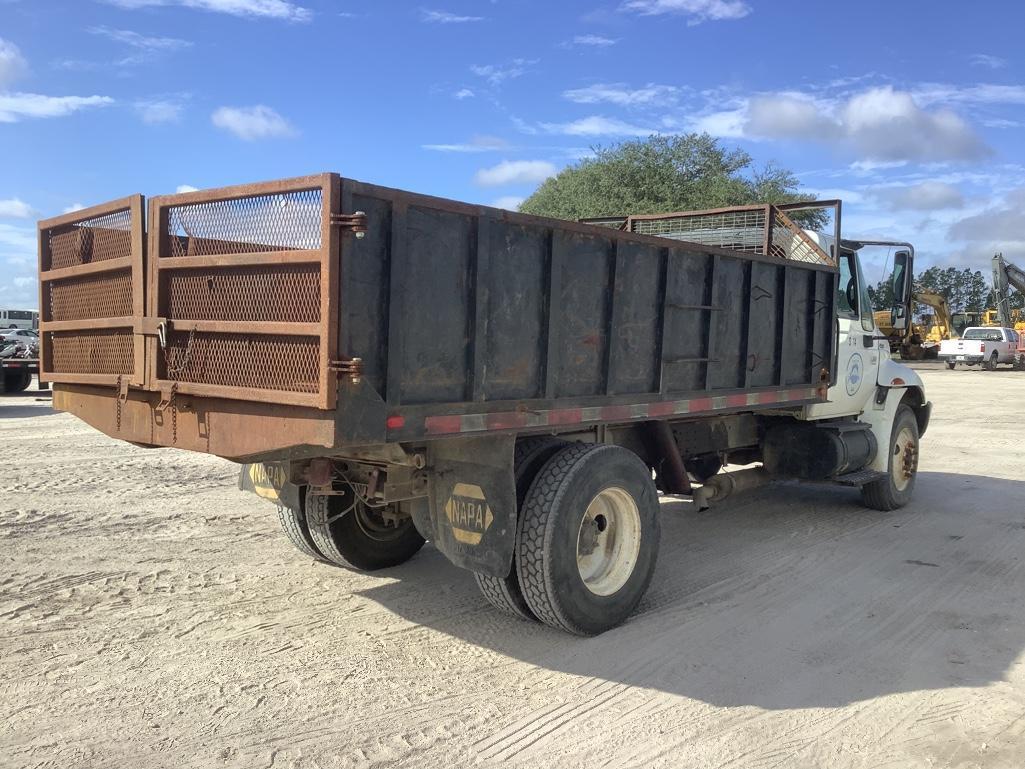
882,494
344,543
293,524
504,593
535,551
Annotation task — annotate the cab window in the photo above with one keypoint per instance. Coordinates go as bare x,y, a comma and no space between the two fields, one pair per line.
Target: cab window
865,301
846,289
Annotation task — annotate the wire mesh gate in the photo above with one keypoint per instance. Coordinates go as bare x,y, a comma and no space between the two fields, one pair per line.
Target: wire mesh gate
91,294
229,295
242,281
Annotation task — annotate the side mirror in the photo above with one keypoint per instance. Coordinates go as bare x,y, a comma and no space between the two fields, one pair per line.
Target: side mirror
898,317
901,282
901,285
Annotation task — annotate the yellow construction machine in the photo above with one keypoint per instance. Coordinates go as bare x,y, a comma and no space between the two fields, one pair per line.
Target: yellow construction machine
920,341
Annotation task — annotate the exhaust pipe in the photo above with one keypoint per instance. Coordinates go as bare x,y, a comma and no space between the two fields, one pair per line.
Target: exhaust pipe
722,485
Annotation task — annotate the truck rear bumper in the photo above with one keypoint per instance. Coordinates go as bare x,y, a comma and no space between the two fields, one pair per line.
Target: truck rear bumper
233,429
971,360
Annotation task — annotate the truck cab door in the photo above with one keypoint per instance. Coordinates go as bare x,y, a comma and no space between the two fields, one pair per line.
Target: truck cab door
859,347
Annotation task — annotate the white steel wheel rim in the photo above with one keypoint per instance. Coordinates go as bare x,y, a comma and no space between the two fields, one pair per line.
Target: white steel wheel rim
905,458
608,541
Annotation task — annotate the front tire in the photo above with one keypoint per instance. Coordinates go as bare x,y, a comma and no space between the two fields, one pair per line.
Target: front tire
894,491
350,533
588,538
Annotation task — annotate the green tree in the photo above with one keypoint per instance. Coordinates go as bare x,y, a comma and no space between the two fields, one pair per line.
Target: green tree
881,294
966,290
661,174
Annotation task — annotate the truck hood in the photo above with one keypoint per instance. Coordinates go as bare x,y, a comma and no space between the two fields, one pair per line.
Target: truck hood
894,374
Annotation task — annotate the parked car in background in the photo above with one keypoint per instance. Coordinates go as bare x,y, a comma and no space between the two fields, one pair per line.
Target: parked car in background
985,345
24,335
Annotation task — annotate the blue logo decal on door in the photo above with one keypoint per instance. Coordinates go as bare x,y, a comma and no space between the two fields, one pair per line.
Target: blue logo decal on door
855,373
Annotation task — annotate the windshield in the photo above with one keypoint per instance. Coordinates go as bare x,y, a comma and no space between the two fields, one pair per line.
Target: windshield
984,334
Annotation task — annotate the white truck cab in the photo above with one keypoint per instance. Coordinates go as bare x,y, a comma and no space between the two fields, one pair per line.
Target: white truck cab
870,386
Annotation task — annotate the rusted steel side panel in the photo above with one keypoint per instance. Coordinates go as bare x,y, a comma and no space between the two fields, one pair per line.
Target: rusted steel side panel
465,319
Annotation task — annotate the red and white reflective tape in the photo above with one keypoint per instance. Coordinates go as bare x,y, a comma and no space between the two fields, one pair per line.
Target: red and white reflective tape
509,420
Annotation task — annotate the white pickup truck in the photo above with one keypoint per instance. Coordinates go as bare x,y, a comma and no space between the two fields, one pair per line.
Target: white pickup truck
988,345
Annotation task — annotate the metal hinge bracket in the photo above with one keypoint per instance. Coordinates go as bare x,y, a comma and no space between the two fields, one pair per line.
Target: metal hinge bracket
356,223
350,367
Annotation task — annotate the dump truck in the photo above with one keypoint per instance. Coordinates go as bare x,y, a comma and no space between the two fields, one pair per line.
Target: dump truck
390,368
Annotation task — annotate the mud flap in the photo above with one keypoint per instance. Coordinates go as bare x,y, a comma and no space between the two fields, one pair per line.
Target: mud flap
270,481
473,502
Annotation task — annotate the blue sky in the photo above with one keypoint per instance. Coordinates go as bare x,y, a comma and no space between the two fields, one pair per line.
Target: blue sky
913,112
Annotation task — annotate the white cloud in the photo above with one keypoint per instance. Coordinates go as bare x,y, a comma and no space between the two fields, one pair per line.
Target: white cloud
14,208
72,208
463,93
445,17
727,124
496,74
15,106
142,42
250,123
185,188
476,144
597,41
986,60
1003,223
697,11
12,63
509,202
927,94
622,95
597,125
159,111
880,124
515,172
284,10
925,196
789,116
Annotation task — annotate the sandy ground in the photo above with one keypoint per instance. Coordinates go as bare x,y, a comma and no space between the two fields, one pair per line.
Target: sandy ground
152,615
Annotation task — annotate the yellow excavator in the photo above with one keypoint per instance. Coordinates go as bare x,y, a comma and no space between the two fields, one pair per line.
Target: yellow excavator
1006,276
918,341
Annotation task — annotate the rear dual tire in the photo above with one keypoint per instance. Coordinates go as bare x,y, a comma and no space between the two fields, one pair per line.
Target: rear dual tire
343,530
530,456
588,538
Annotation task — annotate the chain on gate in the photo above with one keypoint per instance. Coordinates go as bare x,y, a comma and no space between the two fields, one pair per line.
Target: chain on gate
174,372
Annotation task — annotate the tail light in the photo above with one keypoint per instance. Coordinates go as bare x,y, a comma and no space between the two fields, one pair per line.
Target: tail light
982,347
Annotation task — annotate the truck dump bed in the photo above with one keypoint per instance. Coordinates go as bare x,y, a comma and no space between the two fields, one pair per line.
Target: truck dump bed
307,315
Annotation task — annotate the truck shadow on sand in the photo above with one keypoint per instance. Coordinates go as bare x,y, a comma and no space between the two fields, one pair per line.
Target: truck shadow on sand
791,596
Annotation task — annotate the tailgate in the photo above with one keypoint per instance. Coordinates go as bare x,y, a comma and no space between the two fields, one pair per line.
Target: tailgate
229,295
91,294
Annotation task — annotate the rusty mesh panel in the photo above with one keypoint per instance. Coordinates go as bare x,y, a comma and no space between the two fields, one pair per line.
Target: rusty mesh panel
788,243
91,240
741,230
289,293
262,362
101,351
104,295
278,222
